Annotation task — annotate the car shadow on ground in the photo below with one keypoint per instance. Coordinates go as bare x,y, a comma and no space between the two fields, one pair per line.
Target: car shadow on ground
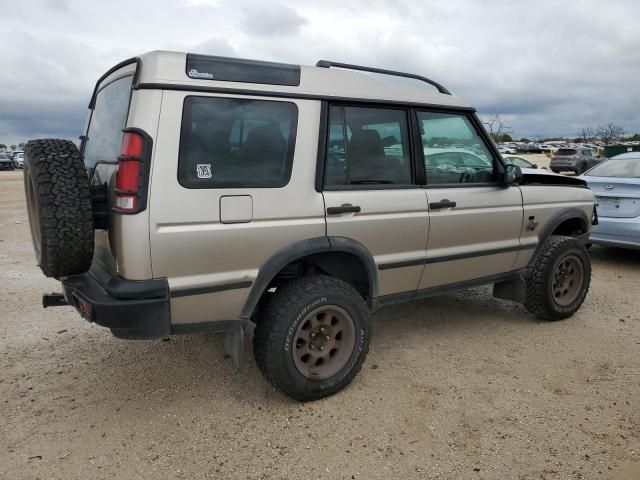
192,366
614,257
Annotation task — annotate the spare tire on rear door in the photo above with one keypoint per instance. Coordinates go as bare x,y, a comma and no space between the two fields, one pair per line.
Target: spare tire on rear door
59,207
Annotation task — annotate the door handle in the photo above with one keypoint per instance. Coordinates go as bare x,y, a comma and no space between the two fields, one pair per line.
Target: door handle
442,204
344,208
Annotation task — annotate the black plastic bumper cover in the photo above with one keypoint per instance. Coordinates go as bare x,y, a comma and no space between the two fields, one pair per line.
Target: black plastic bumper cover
131,309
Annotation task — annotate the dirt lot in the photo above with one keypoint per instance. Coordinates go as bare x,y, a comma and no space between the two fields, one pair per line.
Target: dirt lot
456,387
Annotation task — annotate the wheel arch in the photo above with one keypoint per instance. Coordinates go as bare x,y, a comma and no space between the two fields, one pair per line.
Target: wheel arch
339,257
570,222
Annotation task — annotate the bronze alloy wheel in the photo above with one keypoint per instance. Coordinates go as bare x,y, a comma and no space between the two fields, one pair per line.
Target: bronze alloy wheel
324,342
568,277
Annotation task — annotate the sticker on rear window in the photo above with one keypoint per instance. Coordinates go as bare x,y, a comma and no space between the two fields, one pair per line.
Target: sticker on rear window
203,170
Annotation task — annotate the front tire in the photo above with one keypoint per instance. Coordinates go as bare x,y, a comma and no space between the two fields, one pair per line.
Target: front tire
560,279
312,337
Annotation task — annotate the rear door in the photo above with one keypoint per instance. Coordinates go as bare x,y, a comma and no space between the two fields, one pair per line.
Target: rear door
370,191
109,114
475,220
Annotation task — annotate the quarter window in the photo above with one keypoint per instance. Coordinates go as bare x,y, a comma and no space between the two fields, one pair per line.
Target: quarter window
108,118
236,143
367,146
453,150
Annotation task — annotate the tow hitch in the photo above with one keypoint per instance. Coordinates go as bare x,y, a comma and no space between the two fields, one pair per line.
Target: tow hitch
53,300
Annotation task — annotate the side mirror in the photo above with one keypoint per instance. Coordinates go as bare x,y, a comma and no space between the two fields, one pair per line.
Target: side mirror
512,175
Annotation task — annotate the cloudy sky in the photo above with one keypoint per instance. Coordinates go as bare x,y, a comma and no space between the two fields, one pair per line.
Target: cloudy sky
548,67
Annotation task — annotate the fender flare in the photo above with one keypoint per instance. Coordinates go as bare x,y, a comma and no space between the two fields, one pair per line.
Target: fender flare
554,222
304,248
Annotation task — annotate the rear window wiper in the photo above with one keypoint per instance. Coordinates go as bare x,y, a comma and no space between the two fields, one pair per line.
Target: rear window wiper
370,182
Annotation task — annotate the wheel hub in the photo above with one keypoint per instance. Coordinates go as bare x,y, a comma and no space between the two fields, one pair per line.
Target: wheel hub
323,342
568,278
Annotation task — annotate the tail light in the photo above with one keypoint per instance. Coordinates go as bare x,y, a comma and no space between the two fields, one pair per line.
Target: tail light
130,178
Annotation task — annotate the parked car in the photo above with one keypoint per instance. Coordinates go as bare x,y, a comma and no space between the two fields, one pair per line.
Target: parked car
301,205
577,160
616,184
18,159
519,161
548,148
507,150
6,163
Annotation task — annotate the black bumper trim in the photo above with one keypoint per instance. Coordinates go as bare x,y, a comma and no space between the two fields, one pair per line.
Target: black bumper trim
140,311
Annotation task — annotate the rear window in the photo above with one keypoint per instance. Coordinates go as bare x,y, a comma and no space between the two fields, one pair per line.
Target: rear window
566,151
626,168
228,143
108,118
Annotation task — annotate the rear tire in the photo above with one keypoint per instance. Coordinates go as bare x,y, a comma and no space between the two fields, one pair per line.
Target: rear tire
59,207
300,311
560,279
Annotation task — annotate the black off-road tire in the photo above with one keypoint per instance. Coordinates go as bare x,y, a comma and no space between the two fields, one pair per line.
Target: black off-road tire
282,315
59,207
540,298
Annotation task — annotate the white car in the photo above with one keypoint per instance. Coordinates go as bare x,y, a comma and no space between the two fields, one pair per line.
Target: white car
18,159
507,150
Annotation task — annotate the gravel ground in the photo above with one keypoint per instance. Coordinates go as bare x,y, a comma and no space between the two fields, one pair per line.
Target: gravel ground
463,386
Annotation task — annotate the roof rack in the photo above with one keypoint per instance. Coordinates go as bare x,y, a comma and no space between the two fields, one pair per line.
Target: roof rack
348,66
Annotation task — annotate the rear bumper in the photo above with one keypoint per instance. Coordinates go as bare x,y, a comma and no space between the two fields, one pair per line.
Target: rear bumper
559,165
131,309
616,232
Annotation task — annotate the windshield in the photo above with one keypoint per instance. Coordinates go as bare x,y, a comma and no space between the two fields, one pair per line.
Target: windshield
109,117
629,168
566,151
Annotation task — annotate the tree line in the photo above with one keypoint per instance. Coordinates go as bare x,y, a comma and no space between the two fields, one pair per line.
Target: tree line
19,146
609,133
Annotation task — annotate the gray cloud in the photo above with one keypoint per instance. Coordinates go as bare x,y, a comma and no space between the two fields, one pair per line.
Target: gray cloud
547,70
270,19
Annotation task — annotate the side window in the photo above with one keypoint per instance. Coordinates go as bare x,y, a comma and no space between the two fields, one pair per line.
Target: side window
586,153
453,150
109,117
367,146
238,143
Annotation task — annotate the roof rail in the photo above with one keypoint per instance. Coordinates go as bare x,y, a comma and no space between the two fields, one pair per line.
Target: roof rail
348,66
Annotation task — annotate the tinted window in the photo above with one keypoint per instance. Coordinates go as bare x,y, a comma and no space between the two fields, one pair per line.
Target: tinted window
109,117
239,70
236,143
367,146
453,150
2,155
566,151
617,168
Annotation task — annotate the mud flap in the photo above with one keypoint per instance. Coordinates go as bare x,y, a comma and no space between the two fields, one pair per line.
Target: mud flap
234,344
514,290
